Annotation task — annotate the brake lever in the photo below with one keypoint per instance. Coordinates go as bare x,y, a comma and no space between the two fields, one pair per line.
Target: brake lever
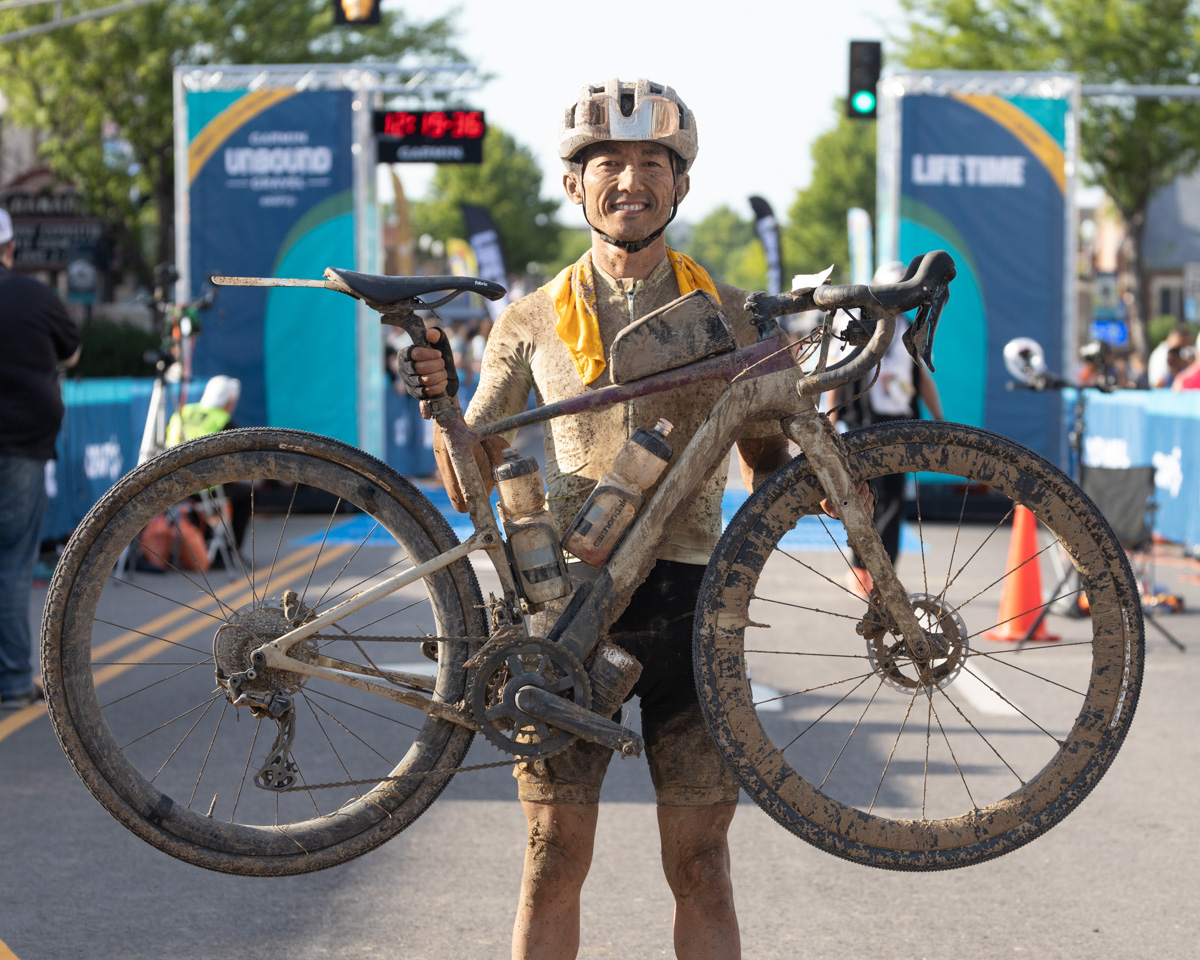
918,338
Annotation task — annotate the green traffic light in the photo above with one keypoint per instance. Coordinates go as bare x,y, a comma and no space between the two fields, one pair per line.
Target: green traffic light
863,101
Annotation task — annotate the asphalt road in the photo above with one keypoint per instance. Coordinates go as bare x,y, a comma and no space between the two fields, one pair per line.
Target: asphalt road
1118,878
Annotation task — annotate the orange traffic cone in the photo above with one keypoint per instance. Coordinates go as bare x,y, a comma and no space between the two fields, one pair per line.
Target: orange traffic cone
1021,602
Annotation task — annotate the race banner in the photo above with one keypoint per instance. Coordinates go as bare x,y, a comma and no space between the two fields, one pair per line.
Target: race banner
767,229
270,193
485,241
981,165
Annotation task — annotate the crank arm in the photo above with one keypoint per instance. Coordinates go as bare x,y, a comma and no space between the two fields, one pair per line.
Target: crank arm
354,677
565,715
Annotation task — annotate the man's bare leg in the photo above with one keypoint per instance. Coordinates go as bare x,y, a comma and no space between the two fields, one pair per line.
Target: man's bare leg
557,858
695,856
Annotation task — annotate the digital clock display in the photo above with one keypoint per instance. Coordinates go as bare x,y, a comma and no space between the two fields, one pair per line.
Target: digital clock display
429,136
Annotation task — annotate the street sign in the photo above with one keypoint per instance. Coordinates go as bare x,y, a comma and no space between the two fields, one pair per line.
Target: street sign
429,136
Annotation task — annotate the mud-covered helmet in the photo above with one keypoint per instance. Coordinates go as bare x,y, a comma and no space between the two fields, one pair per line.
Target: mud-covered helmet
642,111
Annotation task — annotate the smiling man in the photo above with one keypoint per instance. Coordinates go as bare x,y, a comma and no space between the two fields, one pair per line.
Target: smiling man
627,149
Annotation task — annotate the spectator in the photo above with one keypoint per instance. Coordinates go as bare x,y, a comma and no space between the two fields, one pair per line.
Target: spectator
1162,367
38,337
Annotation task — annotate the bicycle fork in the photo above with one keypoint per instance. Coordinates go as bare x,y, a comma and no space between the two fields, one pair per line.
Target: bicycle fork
819,441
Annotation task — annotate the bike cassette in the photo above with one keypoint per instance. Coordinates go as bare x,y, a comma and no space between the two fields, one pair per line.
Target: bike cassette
503,672
247,629
897,666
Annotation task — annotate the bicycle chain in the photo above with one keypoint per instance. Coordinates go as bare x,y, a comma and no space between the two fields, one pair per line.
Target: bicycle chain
407,776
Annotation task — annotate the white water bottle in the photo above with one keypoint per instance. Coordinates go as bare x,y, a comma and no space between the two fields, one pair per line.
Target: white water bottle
603,520
533,544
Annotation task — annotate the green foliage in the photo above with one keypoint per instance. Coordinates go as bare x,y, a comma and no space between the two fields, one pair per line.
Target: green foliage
508,185
1130,147
117,72
716,242
111,349
571,246
843,177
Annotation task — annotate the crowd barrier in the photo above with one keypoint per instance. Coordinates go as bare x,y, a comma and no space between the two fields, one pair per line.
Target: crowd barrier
102,432
1141,428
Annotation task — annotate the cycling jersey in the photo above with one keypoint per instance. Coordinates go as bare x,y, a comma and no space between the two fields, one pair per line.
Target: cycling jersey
524,353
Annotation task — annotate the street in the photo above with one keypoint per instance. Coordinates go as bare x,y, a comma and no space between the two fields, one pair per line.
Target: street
1116,879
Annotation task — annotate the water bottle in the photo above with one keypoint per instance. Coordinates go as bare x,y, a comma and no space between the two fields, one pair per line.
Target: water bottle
533,544
603,520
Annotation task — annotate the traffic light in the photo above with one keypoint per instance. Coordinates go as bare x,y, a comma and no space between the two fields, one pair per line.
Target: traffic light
866,57
356,13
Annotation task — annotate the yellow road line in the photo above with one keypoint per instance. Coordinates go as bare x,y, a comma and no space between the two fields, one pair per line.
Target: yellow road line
154,645
5,953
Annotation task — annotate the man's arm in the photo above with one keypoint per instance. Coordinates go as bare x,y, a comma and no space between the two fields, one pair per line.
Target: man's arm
759,458
928,392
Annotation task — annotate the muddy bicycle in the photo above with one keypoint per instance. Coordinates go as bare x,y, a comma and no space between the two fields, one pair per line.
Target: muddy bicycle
316,706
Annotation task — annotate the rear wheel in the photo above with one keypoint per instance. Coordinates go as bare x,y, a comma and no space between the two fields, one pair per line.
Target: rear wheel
911,762
301,773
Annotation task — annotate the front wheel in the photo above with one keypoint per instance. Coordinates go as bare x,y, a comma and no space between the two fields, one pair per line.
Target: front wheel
277,773
879,756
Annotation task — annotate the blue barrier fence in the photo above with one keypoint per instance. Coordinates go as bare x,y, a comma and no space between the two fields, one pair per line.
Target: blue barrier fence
1141,428
102,431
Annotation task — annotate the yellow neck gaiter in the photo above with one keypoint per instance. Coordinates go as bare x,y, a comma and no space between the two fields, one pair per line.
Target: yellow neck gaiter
573,293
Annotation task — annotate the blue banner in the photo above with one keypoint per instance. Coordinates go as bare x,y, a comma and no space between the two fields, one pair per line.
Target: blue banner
984,178
271,195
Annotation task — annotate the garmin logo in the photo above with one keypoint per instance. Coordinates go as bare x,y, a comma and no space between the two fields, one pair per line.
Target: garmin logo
278,161
955,170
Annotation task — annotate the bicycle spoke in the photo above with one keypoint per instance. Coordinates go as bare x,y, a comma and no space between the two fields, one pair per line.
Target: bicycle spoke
895,744
324,540
820,686
853,731
337,755
134,693
391,764
282,533
153,636
245,770
208,753
167,723
184,739
350,558
309,691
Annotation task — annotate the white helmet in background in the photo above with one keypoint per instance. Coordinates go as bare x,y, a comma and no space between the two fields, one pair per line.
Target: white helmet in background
891,271
642,111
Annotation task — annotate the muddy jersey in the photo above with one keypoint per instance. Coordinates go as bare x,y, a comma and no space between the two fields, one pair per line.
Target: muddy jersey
524,353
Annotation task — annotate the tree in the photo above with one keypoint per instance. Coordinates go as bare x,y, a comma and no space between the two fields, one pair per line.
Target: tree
716,242
77,84
1132,147
508,185
843,177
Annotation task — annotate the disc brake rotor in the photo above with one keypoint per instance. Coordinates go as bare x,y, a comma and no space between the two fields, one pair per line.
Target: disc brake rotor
898,667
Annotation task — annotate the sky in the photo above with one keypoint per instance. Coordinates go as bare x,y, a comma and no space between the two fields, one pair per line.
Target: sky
760,76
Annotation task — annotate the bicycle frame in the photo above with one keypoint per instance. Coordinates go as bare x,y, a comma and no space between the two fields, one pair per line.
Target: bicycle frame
762,385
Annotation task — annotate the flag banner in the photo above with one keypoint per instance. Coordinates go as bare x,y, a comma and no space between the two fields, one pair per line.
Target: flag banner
981,165
768,233
489,255
270,194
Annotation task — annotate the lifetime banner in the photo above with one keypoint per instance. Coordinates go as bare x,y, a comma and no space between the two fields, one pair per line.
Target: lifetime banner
980,165
270,194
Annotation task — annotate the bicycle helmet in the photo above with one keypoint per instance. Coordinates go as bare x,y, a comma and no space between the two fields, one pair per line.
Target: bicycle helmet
628,111
641,111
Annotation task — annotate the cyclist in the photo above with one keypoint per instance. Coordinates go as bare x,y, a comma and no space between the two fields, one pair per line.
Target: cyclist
627,149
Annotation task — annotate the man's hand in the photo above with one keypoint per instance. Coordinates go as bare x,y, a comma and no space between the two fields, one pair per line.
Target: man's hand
428,372
865,491
488,453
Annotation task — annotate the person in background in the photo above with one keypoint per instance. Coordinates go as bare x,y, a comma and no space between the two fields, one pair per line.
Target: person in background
38,337
893,395
213,414
1168,358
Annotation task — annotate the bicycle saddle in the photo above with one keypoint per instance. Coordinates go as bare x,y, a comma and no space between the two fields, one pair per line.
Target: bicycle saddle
388,290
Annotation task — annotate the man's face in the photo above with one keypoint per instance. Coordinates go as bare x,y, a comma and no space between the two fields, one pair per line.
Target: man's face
628,188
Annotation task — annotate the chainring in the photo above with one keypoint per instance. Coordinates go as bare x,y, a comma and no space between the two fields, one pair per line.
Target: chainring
504,671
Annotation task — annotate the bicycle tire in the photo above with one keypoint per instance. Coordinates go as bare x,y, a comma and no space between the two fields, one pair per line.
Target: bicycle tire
111,666
978,766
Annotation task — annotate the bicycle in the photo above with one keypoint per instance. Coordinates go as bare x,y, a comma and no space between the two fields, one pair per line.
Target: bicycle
879,736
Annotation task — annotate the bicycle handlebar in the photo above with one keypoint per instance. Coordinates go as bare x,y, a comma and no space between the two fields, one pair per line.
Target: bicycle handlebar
924,287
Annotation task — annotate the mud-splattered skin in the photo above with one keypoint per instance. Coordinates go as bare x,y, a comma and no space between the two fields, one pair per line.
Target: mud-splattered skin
525,353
